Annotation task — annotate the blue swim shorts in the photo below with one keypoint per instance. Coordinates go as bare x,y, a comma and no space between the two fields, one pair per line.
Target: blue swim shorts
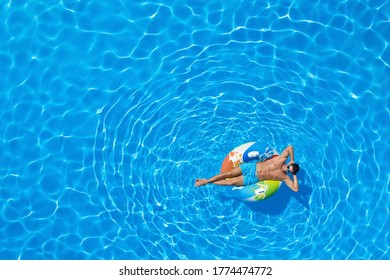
249,173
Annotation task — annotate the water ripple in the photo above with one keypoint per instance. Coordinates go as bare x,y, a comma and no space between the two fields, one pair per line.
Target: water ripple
111,111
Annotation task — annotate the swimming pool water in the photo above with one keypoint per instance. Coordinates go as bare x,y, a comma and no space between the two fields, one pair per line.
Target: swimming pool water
111,109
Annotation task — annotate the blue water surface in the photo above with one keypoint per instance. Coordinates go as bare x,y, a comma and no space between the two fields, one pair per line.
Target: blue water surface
111,109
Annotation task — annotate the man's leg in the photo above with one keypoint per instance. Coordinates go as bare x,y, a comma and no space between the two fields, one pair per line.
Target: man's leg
235,172
236,181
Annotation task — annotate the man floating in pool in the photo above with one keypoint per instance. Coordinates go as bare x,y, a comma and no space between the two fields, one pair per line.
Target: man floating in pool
251,172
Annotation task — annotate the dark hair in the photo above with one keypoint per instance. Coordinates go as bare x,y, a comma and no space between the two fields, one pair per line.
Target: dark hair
295,167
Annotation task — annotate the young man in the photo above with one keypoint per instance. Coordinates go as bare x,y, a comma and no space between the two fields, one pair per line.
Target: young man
252,172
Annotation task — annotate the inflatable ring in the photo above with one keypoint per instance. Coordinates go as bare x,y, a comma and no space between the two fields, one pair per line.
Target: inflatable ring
245,153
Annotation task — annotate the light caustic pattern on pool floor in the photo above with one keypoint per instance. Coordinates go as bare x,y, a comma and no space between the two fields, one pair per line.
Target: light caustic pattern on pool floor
111,109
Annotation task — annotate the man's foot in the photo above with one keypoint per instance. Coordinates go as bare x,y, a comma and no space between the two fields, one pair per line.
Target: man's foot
200,182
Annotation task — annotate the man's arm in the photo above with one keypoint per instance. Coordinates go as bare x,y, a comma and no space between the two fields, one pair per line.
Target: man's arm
292,184
289,151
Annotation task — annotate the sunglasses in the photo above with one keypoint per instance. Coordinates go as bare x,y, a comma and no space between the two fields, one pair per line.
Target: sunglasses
288,170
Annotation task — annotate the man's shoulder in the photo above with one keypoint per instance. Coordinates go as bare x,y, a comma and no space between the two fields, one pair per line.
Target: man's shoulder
286,177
